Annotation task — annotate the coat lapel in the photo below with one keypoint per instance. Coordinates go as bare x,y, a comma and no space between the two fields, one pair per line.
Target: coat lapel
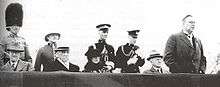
184,38
7,67
20,65
154,70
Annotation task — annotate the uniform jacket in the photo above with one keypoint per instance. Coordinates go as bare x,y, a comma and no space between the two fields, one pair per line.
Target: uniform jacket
99,47
183,57
154,71
21,66
60,67
14,39
122,58
45,57
2,55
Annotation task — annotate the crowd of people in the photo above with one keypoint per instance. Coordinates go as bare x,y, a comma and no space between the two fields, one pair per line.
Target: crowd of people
183,52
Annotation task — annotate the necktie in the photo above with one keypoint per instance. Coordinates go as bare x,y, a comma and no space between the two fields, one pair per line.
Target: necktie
158,70
13,66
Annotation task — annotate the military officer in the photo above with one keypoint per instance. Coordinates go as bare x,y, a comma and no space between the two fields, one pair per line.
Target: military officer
15,63
13,18
105,50
128,61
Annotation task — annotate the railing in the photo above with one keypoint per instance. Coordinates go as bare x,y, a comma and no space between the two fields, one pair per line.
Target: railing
69,79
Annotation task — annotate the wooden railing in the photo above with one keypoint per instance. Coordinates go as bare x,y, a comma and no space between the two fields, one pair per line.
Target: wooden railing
69,79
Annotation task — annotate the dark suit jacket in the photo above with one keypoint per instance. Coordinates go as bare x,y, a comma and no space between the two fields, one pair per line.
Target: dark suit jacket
21,66
182,57
154,71
60,67
121,60
45,57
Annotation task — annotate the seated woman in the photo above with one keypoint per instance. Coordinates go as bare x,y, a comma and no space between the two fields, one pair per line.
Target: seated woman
62,62
95,65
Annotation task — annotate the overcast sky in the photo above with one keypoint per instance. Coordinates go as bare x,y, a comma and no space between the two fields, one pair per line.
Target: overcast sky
157,20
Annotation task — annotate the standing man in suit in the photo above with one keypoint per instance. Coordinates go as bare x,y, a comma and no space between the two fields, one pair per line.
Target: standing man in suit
184,52
62,62
156,60
106,51
14,21
15,63
45,56
127,60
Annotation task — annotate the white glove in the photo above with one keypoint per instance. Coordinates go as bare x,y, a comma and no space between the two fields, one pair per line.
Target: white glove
110,63
117,70
132,60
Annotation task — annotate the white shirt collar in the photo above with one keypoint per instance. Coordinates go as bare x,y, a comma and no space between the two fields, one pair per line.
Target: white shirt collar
11,63
157,68
189,35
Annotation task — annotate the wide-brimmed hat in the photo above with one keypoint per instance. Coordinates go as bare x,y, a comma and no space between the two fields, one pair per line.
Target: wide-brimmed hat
46,37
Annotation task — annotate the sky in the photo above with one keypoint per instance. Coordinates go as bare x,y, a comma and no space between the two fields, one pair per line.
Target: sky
157,20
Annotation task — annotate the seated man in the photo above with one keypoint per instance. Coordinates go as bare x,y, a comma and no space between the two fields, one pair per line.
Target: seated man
95,65
156,61
15,63
62,62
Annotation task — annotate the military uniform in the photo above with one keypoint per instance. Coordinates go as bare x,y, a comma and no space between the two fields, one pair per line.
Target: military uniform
20,41
123,54
127,52
2,54
14,18
105,50
101,46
